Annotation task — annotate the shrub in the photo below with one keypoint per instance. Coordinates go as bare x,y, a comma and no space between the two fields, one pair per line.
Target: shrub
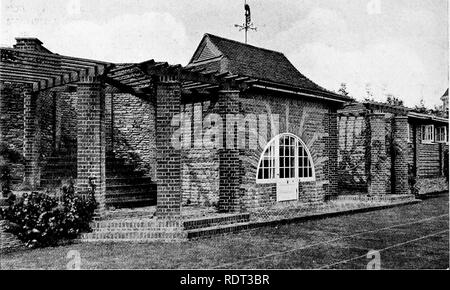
40,220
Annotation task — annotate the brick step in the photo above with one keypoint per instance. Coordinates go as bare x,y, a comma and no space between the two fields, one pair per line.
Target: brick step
52,183
125,174
216,221
126,187
130,202
58,175
57,163
114,181
123,225
131,196
138,236
118,165
130,190
61,158
141,214
217,230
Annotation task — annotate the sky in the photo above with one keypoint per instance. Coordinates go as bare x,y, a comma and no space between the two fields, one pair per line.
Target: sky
398,47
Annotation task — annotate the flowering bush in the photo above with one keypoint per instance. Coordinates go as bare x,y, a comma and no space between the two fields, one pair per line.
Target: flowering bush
8,156
40,220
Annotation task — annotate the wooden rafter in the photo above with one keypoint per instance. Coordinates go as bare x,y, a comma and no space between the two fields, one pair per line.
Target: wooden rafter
45,70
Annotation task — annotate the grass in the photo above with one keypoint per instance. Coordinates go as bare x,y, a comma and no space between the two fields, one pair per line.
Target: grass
303,243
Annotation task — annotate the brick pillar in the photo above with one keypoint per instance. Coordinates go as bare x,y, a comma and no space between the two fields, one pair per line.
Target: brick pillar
331,150
30,151
4,93
230,173
168,158
378,171
400,138
91,139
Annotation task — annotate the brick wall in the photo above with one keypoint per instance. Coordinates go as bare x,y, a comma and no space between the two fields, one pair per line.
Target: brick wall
352,155
199,161
57,136
310,120
366,152
388,169
429,156
66,123
315,123
11,123
130,130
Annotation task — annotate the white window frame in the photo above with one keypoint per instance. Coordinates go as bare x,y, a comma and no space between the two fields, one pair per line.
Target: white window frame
441,140
425,133
275,143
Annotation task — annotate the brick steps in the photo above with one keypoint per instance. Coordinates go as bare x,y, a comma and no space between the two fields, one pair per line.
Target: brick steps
217,230
56,182
120,181
127,186
146,229
56,169
122,225
128,202
132,236
130,192
115,187
137,230
215,221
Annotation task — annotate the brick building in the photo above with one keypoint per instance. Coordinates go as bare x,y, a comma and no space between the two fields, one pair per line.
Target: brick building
209,134
238,131
383,148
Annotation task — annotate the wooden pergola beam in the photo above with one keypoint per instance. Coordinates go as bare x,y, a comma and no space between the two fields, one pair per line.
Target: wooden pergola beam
46,70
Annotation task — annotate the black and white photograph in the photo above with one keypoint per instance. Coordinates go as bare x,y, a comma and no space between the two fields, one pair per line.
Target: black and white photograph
224,136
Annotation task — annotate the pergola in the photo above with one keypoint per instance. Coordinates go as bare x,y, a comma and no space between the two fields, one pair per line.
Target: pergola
45,70
39,71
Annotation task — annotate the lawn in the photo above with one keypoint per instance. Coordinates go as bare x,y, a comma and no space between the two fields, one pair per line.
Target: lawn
422,242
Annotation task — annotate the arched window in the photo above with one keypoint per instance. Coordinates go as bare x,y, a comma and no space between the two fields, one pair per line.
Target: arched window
285,158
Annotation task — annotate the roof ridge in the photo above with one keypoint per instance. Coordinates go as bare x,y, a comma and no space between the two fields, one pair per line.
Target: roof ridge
242,43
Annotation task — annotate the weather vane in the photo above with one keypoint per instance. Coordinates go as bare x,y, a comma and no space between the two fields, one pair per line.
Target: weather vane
248,25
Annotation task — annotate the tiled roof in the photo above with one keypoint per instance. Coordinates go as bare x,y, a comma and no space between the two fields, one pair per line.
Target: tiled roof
221,54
